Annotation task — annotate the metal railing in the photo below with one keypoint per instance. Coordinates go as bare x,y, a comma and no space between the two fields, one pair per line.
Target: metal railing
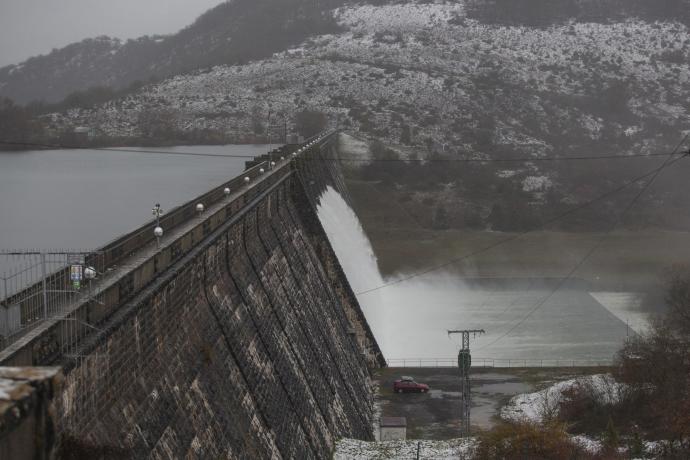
498,362
37,285
40,285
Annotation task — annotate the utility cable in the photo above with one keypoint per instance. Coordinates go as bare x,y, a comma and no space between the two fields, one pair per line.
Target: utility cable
516,236
668,162
355,160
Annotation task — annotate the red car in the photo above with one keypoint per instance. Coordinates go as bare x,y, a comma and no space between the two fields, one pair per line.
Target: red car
408,385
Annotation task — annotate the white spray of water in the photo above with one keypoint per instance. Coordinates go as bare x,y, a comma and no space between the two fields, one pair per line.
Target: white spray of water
349,241
354,252
410,318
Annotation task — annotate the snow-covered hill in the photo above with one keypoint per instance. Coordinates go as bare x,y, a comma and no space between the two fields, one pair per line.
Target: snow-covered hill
234,31
428,74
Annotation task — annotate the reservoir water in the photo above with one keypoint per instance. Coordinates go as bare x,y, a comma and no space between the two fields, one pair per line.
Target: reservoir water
81,199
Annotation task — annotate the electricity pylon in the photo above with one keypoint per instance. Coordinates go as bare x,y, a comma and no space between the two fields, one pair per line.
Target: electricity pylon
464,363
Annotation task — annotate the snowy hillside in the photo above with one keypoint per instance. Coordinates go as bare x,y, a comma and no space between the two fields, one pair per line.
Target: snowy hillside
234,31
426,74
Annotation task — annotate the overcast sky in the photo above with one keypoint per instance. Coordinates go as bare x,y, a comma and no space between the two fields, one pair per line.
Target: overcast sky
32,27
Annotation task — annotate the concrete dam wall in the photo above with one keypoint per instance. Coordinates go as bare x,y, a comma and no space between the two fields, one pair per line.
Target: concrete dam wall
248,344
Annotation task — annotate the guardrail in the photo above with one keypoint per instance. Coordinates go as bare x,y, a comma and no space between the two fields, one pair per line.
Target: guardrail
43,291
41,286
498,362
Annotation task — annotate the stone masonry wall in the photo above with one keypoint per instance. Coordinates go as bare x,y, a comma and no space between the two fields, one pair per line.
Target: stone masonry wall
252,347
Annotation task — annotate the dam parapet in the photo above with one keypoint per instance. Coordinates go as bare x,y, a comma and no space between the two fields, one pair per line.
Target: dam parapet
238,337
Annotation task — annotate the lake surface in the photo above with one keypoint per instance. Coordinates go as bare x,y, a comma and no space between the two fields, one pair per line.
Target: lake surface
81,199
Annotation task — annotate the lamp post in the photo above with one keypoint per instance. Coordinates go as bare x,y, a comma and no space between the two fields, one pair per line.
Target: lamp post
157,211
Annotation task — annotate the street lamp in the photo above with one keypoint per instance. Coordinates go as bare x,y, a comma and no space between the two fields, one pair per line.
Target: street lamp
157,211
226,191
90,273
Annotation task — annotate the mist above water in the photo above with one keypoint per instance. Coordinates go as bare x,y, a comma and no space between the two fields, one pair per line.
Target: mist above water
410,318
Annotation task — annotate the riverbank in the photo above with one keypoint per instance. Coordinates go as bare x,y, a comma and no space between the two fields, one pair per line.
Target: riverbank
127,142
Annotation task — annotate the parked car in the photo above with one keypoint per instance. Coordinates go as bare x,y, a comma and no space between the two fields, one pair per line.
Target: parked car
407,384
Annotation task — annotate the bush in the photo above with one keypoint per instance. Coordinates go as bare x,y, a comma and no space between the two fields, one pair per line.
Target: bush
525,440
657,368
593,410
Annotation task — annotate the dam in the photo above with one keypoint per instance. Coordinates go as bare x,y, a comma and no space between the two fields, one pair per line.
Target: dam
237,335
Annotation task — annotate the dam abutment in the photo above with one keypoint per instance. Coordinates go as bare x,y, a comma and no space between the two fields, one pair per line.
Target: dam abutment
240,339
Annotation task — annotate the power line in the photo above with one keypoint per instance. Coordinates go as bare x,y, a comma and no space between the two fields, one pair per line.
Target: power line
355,160
525,232
124,150
503,160
668,162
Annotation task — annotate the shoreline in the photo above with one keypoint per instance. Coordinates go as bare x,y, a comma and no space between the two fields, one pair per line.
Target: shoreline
56,147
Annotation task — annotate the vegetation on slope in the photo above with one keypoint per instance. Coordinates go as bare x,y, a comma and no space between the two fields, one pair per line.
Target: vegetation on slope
234,32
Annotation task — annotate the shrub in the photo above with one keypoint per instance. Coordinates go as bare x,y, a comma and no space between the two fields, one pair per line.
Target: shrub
591,409
525,440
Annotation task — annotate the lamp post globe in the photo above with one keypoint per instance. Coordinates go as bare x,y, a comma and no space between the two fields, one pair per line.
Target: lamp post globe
246,179
199,208
158,232
90,273
226,191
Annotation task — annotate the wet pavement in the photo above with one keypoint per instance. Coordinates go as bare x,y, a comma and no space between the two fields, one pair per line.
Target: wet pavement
436,414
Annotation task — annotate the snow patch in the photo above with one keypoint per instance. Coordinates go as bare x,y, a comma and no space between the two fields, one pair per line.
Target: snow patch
592,446
353,449
407,17
536,184
543,405
506,173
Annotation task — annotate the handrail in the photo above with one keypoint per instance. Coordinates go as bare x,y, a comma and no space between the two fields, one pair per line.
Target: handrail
109,255
498,362
177,215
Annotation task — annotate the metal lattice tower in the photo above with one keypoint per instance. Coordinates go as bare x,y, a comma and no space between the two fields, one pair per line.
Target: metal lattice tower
464,364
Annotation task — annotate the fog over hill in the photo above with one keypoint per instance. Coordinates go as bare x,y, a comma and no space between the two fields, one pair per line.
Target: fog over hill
432,73
232,32
478,78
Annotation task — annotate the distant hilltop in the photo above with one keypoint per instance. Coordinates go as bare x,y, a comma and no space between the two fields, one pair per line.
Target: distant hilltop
239,31
440,77
232,32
